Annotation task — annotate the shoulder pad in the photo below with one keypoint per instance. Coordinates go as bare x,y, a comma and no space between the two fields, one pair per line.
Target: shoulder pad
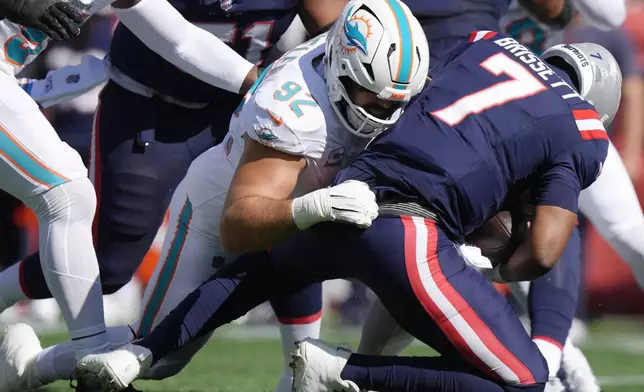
283,114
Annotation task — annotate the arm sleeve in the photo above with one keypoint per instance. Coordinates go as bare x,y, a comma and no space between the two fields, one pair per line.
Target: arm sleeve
193,50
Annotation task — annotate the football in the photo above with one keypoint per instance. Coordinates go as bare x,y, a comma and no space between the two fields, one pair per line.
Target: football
495,238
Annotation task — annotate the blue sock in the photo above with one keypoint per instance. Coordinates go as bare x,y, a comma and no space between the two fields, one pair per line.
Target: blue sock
412,374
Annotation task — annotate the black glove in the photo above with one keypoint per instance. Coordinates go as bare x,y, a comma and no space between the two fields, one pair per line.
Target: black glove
58,19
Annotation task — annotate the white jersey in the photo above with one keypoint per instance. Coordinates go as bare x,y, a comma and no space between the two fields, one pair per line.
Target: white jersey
21,46
290,111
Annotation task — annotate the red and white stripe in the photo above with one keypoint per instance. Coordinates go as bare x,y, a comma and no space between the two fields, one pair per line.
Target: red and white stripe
449,310
479,35
589,125
300,320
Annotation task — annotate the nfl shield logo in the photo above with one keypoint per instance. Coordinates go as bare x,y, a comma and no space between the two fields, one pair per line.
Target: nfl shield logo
226,4
74,78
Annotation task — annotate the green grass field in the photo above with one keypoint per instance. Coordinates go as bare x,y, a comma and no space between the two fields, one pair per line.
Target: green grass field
243,359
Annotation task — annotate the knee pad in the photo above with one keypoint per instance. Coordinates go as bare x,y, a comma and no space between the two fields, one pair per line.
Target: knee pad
74,200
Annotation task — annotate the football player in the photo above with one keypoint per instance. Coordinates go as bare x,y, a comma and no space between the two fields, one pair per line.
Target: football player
309,114
496,119
137,166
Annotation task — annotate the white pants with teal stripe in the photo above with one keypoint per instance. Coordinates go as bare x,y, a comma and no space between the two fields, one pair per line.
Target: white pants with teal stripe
50,178
191,249
33,159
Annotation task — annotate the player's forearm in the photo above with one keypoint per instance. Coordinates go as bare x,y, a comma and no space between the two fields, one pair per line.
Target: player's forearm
256,223
522,265
548,235
195,51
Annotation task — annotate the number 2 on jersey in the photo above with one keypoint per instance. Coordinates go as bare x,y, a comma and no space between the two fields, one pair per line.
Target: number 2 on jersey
20,46
290,90
522,84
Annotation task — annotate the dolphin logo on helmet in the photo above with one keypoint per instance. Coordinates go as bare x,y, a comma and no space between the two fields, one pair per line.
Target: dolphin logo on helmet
380,46
354,38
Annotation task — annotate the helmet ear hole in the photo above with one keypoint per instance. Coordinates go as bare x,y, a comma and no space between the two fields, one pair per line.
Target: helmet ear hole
562,64
369,70
392,48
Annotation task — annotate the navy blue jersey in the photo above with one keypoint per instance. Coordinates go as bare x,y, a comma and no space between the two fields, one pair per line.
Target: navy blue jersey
250,27
493,118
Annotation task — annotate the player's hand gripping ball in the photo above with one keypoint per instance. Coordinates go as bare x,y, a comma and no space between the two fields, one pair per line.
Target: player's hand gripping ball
501,235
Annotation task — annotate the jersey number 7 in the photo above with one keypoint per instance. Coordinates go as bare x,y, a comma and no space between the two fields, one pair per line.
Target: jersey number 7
522,84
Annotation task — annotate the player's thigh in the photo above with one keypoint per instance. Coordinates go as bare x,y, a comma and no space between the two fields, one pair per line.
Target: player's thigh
189,256
33,159
143,152
429,290
611,202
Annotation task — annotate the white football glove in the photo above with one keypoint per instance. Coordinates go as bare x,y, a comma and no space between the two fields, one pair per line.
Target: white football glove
350,202
473,256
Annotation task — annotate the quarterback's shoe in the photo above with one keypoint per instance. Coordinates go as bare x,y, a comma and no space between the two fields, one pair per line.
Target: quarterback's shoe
18,355
317,367
113,371
578,376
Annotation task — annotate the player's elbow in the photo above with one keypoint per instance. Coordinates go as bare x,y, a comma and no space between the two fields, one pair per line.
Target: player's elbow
230,241
543,260
231,246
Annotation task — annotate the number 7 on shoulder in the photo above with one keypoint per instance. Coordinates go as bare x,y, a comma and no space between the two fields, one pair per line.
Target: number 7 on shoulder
290,90
522,84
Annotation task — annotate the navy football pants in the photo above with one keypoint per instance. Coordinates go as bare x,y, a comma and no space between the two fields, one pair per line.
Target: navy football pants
414,269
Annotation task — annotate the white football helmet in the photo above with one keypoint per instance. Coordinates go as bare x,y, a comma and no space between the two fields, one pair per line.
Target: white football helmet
595,73
381,46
